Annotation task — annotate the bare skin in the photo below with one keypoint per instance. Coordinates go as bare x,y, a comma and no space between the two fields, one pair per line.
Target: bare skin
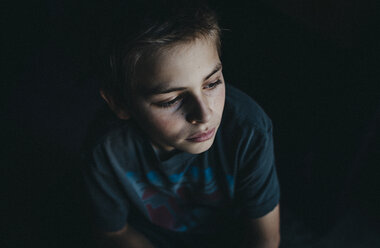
181,99
180,95
127,237
265,231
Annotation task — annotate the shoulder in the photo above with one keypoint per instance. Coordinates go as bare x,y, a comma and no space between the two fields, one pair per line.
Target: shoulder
115,139
245,129
111,141
241,111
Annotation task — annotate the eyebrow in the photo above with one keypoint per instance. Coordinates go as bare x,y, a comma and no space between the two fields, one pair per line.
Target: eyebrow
162,90
217,68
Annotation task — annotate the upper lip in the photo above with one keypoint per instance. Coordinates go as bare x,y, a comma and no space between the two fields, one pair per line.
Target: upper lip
201,134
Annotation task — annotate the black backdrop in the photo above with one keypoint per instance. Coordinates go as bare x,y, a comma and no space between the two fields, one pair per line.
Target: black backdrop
312,66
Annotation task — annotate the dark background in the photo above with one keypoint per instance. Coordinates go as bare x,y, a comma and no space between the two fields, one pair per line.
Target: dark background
312,65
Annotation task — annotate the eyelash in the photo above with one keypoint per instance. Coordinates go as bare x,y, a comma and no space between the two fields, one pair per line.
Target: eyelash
169,103
214,84
173,102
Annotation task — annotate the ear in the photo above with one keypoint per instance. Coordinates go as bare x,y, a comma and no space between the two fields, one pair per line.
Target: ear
122,113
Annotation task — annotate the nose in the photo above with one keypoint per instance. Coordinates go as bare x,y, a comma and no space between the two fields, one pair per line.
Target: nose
199,111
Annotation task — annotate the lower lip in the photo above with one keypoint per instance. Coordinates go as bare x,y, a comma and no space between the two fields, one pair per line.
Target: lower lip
203,137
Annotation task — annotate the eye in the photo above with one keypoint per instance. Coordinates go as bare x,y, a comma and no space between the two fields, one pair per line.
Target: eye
170,103
213,85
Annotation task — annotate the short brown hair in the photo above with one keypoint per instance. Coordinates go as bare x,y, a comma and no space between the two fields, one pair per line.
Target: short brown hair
145,31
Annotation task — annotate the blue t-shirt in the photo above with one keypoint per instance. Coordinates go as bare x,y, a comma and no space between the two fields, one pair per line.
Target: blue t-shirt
234,180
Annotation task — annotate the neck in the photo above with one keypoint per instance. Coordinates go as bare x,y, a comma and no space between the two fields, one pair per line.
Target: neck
163,154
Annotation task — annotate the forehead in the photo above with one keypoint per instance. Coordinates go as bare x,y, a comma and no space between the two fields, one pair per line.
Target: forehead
180,65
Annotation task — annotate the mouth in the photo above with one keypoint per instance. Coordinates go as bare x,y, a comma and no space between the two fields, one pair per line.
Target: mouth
203,136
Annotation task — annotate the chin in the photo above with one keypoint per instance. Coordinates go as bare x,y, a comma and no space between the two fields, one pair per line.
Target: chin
197,148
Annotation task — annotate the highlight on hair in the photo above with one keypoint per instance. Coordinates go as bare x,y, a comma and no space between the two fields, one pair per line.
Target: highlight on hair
142,30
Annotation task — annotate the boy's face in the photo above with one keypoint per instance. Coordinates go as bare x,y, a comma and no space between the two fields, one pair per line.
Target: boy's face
180,97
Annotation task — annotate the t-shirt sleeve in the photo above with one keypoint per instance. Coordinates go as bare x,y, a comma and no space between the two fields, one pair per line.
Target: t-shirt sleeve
257,190
110,207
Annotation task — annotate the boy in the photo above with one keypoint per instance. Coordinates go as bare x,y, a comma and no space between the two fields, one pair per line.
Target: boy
190,164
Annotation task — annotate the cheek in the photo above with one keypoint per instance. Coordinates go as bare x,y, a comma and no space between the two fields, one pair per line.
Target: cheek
218,100
161,122
165,124
222,96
